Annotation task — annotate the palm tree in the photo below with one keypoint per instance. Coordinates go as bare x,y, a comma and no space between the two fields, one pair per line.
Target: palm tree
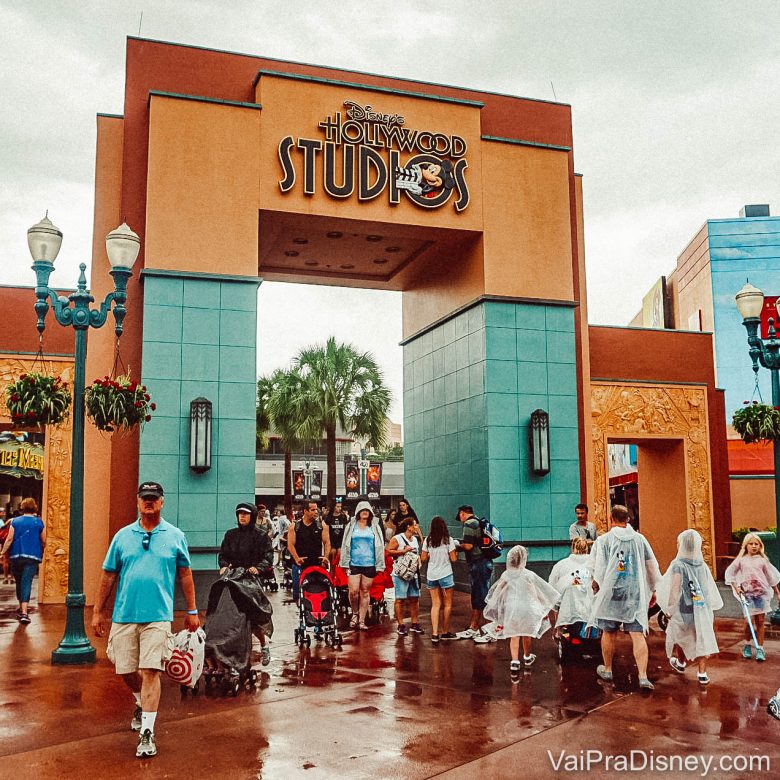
341,387
279,399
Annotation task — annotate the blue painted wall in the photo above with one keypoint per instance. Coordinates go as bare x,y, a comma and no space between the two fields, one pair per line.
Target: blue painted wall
470,386
199,340
739,249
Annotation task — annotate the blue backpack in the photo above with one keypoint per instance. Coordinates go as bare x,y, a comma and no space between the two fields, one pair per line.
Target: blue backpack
491,541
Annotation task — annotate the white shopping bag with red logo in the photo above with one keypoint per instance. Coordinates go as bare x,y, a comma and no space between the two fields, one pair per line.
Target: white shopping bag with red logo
185,665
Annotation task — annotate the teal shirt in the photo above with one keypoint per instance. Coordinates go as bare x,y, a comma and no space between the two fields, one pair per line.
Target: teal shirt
362,549
146,577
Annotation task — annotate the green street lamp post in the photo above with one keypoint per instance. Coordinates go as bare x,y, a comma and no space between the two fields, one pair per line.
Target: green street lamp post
122,247
750,303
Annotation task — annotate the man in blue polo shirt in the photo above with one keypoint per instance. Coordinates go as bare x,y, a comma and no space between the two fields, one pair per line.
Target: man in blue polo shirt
145,557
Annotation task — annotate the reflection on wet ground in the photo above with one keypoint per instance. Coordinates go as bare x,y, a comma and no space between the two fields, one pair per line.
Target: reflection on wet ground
382,706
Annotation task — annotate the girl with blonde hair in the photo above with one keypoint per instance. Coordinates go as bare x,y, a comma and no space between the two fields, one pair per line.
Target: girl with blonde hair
753,578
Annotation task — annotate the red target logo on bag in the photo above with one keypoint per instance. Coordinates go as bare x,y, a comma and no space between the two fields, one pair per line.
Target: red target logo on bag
186,662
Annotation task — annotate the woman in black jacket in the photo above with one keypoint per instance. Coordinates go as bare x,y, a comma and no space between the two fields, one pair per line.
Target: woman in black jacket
249,548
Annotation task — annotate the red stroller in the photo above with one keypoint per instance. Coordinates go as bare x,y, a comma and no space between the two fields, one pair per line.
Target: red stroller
317,608
379,584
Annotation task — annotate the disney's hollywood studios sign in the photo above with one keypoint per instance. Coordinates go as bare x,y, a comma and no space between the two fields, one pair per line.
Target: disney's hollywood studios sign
362,149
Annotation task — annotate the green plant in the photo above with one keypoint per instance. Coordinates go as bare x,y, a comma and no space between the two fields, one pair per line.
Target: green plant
115,404
757,422
38,399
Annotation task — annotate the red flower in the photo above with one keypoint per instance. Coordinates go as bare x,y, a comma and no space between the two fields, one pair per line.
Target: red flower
755,402
147,397
31,414
23,377
148,417
138,404
746,402
153,406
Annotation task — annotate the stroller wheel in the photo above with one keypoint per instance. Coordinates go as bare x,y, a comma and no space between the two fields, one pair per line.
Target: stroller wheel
297,636
307,639
663,621
337,641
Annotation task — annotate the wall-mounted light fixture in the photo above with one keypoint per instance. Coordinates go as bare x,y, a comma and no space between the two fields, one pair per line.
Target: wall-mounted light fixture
200,435
539,439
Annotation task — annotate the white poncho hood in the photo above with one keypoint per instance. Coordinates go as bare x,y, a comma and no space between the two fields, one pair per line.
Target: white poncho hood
627,573
572,578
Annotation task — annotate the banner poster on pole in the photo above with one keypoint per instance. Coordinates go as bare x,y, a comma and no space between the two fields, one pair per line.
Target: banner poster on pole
351,479
374,481
298,485
316,484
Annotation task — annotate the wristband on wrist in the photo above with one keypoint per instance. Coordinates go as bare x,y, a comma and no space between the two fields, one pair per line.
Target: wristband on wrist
192,611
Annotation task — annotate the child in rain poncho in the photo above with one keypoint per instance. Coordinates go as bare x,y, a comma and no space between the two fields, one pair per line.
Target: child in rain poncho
689,595
571,577
519,604
753,579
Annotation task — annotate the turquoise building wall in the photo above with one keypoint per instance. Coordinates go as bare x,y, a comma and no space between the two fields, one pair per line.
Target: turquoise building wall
199,334
470,385
747,247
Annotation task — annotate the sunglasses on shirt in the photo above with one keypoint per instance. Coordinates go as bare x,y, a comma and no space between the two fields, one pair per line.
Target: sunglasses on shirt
146,540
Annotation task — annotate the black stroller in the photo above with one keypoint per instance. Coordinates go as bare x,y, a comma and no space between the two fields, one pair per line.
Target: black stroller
268,578
236,602
317,608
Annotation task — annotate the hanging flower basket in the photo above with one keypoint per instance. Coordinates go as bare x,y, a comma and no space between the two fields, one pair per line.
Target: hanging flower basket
38,399
118,404
756,422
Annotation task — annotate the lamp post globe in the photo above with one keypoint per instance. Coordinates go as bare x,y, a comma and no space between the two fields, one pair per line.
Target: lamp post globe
122,247
750,302
44,240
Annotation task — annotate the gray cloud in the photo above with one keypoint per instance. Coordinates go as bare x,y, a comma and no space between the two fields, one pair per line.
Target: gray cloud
675,111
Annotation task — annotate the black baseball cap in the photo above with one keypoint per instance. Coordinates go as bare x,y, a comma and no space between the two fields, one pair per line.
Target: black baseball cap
153,489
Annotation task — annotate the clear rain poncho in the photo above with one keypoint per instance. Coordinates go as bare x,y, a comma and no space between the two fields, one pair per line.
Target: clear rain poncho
627,573
689,595
572,577
520,601
756,578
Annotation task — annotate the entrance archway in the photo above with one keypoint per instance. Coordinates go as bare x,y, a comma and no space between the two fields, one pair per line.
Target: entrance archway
235,168
669,424
55,509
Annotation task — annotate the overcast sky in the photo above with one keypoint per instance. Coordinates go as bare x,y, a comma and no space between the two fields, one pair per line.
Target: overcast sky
676,112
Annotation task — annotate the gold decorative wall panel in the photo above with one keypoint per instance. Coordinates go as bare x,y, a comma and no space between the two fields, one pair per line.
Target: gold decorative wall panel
633,412
53,579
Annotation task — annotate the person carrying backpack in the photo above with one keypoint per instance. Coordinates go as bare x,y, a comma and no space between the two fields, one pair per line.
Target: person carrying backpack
480,571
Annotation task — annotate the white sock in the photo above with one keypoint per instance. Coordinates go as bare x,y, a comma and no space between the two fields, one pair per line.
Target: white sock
147,721
137,697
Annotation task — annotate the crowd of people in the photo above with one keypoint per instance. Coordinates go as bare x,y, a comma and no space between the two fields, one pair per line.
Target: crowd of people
606,587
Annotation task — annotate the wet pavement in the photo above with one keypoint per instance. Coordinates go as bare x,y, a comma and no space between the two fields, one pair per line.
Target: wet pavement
383,706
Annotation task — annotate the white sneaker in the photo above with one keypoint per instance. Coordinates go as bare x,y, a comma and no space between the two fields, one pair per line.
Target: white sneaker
146,745
469,633
265,654
483,639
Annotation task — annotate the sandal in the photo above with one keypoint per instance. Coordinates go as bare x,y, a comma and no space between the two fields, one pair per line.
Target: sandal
362,627
353,623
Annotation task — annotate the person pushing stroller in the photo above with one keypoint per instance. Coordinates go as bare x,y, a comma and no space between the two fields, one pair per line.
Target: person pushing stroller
249,548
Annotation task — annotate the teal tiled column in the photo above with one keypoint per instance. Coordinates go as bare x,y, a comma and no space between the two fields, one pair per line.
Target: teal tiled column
470,385
199,334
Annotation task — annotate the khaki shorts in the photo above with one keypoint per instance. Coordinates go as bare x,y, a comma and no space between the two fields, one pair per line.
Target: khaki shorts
134,646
